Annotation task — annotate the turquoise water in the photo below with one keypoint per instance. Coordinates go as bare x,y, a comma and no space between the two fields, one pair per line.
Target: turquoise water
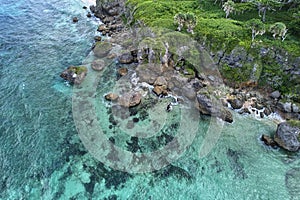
42,156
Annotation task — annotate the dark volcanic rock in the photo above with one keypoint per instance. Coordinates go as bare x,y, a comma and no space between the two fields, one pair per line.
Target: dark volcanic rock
209,105
74,74
287,137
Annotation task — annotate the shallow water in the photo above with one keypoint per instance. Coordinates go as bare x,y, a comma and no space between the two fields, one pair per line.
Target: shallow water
42,156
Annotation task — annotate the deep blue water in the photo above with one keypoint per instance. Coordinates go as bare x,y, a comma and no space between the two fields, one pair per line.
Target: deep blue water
41,156
37,41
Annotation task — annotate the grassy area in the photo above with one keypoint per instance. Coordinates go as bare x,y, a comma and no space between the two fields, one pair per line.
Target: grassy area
220,33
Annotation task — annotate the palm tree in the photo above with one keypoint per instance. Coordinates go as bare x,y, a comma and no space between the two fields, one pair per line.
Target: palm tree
179,19
257,27
279,29
228,7
191,22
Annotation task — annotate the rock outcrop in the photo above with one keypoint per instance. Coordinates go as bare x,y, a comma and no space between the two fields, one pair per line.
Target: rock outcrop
287,136
74,74
209,105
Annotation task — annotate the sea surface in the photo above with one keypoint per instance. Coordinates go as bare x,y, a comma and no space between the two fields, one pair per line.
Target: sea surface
42,156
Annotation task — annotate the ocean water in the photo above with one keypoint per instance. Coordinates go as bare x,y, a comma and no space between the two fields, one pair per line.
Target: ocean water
43,157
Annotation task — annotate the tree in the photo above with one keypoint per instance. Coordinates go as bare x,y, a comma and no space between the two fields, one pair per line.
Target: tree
257,27
279,29
228,7
180,20
191,22
264,5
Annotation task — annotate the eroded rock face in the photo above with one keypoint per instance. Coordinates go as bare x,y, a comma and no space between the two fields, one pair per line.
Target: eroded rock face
286,137
130,99
209,105
74,74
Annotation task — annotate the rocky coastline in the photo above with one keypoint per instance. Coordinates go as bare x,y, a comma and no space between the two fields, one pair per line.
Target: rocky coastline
169,74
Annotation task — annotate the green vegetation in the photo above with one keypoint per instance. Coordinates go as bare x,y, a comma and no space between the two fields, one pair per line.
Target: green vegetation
78,69
295,123
250,24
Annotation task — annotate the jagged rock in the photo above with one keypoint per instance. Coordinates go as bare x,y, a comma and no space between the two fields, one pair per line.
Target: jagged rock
111,97
209,105
101,28
126,58
286,136
160,81
122,71
268,140
98,64
74,74
75,19
130,99
102,49
235,103
160,90
275,95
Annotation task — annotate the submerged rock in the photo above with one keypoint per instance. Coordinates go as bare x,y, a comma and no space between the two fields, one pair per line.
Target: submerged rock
102,49
98,65
130,99
287,136
74,74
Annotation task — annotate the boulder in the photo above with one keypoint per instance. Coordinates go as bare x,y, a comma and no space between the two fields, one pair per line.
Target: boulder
275,95
98,38
111,97
126,58
122,71
268,140
89,15
235,103
101,28
160,90
295,108
285,106
98,64
130,99
287,136
209,105
160,81
75,19
101,49
74,74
